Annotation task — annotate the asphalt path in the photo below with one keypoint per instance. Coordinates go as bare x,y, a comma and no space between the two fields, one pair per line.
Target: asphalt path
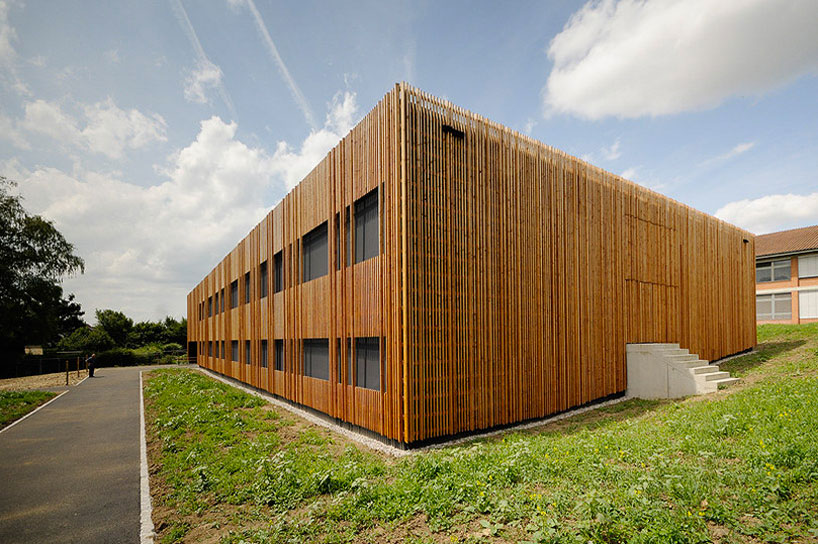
70,472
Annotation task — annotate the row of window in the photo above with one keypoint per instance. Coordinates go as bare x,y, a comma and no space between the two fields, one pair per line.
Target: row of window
363,358
315,255
778,306
780,270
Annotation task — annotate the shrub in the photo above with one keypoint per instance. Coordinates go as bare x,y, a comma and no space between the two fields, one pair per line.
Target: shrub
87,339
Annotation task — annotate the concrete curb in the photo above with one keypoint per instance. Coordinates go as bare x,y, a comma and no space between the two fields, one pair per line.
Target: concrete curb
146,529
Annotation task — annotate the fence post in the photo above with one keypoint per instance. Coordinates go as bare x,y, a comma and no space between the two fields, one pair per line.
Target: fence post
66,372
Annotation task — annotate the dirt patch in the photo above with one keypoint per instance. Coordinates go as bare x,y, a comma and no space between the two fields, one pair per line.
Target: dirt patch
44,381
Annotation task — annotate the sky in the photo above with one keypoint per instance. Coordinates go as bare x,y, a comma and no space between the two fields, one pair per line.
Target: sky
155,135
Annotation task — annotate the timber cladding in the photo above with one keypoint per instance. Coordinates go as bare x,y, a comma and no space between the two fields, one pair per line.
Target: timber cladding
438,273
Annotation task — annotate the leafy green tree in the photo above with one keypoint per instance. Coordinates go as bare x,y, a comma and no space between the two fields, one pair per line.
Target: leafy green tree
87,339
144,333
175,331
116,324
34,257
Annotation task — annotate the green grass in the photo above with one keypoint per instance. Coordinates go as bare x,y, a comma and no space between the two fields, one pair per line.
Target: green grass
737,466
16,404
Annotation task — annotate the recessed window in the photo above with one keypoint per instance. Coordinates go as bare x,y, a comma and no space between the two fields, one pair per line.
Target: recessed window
278,346
347,234
368,363
247,351
216,302
262,280
264,355
222,349
234,294
774,307
278,272
366,227
350,362
316,358
222,301
314,251
338,360
210,348
234,350
248,294
337,241
773,271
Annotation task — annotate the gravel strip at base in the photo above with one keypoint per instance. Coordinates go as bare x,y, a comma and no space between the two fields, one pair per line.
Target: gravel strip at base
391,450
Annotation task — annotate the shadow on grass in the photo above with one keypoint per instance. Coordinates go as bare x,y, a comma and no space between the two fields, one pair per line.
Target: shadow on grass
765,352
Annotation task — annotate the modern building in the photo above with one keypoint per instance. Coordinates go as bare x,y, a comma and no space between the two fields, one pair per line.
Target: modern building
438,273
787,276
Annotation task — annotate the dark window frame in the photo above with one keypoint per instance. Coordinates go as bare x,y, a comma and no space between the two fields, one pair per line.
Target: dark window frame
234,294
367,226
315,356
278,354
248,288
248,352
315,253
265,356
278,272
262,280
234,351
368,362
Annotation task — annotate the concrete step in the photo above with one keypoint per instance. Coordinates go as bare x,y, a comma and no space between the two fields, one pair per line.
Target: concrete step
725,381
682,358
714,376
705,369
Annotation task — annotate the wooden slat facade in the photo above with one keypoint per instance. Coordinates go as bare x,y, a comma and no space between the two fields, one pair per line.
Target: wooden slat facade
510,278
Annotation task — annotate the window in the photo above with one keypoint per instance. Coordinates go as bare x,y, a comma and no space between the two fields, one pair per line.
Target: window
337,241
368,363
222,349
808,266
262,281
346,236
278,272
210,348
314,253
222,301
247,352
773,271
774,307
350,362
234,294
234,350
264,354
366,227
279,354
216,303
339,362
808,304
316,358
247,292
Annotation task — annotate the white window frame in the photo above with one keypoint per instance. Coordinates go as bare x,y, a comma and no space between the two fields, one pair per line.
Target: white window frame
773,265
775,300
808,266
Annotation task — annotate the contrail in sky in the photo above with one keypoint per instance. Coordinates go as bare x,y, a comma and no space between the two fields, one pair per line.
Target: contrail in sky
187,27
273,50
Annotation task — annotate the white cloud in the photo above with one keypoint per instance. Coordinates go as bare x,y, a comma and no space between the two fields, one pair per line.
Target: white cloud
529,126
613,152
772,213
206,76
146,247
111,129
113,56
39,61
293,165
737,150
629,173
108,130
10,133
635,58
7,36
48,118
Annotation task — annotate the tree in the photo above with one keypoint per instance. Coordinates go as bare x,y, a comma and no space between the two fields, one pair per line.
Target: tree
116,324
88,340
34,257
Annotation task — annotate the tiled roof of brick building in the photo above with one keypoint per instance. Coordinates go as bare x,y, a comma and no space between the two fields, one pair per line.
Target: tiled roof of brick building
787,241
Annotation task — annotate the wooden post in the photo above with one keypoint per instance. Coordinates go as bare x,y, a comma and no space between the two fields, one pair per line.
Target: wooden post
78,367
66,372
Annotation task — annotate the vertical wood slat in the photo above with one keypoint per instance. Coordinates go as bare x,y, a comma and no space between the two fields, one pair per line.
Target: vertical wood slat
511,276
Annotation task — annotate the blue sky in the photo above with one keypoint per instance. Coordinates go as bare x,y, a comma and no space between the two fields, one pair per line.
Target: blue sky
156,134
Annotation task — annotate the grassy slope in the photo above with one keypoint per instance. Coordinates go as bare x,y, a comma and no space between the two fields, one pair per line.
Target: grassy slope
16,404
737,466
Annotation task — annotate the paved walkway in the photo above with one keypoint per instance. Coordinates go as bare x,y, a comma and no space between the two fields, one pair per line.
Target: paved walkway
70,472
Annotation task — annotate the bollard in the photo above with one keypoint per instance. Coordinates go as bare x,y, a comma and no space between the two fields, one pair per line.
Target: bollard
78,367
66,372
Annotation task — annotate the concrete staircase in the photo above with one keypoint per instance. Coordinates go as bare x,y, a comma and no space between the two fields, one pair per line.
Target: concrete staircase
661,371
